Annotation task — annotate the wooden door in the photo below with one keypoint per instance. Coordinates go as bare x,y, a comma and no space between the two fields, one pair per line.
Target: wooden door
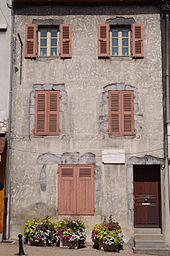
146,196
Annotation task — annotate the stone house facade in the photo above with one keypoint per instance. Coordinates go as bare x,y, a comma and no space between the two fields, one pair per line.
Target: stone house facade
87,126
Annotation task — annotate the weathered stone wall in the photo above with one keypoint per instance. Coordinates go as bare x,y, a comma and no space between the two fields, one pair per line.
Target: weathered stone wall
85,79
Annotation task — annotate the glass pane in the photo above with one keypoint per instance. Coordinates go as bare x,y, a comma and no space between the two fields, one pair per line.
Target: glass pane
125,51
43,52
114,41
124,42
125,33
54,33
53,42
114,33
114,51
43,33
43,42
53,52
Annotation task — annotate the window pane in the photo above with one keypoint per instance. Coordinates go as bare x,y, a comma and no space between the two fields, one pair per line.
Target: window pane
53,52
114,42
125,33
114,51
114,33
54,33
43,42
53,42
124,42
125,51
43,52
43,33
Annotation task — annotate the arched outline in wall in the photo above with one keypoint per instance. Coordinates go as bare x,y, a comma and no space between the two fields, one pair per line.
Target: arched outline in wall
146,160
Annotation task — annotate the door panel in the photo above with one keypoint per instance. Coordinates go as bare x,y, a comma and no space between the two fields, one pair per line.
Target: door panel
1,210
146,196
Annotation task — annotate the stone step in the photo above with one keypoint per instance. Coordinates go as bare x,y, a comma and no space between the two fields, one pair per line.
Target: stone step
147,231
150,244
149,237
152,251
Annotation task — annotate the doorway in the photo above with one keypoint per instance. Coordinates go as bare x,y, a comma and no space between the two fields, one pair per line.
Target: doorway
146,195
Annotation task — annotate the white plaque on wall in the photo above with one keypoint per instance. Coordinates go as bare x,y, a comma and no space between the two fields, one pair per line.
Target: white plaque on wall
113,156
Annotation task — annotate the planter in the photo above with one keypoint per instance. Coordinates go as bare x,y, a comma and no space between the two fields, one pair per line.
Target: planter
71,244
108,247
38,243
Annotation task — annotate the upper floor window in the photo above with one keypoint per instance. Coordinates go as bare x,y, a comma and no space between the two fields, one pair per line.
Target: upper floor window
47,41
120,41
121,113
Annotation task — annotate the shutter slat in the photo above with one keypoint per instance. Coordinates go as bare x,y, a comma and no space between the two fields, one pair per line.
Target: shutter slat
138,41
30,41
40,115
128,112
65,41
53,113
85,186
103,40
66,191
114,112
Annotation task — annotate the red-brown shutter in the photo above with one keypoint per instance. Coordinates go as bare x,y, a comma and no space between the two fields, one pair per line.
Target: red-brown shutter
127,112
40,113
138,41
114,112
65,41
67,190
103,40
30,41
85,189
53,112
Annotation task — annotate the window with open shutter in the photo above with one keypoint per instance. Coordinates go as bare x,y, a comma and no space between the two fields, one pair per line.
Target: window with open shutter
65,41
47,112
76,190
121,112
103,40
137,38
30,41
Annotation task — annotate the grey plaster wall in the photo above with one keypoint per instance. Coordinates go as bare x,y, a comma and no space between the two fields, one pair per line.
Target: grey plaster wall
85,77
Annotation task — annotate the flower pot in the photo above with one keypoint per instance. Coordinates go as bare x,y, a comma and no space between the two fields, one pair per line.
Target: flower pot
108,247
38,243
70,244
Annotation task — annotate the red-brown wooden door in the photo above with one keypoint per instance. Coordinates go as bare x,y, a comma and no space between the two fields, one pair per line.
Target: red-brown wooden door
146,196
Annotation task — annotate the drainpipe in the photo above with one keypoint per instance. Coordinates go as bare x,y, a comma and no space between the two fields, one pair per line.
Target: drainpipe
6,233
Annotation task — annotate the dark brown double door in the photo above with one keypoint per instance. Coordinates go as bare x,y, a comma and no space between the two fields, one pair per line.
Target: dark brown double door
147,196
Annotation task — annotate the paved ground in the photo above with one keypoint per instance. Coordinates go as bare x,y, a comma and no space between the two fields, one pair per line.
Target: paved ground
12,249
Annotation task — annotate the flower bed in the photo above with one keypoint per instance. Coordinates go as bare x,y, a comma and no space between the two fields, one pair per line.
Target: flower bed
108,235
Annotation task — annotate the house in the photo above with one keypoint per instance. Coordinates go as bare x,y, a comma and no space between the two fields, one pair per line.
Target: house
5,36
87,122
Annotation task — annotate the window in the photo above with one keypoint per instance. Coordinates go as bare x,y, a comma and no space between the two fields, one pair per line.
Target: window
121,113
120,41
47,112
52,41
76,189
48,42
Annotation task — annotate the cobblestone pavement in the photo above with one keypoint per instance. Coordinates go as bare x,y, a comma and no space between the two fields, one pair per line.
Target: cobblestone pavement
12,249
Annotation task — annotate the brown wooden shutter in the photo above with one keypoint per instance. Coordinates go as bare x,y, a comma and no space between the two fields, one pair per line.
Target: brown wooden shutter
65,41
40,113
114,112
85,189
138,41
103,40
127,112
53,112
67,190
30,41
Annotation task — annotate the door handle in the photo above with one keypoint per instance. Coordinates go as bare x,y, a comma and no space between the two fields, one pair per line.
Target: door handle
146,203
